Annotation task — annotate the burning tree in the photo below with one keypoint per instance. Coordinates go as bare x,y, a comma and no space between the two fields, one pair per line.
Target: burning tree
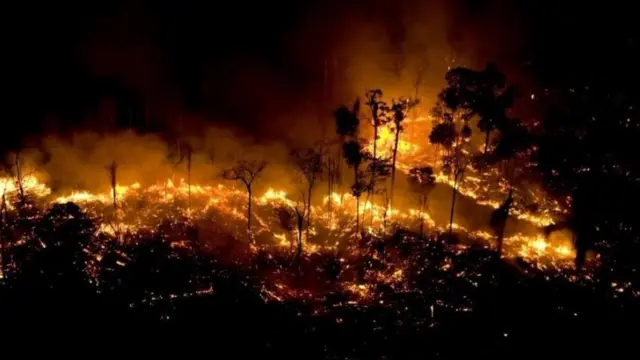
347,121
422,182
489,98
379,117
378,169
379,114
20,179
347,127
246,172
399,111
354,155
452,131
482,94
331,166
3,222
286,216
499,220
309,164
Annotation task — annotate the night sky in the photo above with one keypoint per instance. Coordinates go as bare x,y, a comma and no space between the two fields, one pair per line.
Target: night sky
246,65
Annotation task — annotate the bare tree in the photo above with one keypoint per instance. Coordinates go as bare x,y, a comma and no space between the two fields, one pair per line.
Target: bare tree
309,164
378,170
189,152
453,132
300,225
354,156
187,156
286,216
113,171
3,220
459,164
360,186
399,110
246,172
20,179
499,221
422,182
379,117
331,167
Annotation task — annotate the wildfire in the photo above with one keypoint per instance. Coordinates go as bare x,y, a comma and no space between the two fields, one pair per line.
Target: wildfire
231,203
141,207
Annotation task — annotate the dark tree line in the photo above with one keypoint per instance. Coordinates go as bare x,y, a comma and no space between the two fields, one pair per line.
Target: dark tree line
582,150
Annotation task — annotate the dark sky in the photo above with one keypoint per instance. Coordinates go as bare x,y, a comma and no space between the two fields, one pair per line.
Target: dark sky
251,63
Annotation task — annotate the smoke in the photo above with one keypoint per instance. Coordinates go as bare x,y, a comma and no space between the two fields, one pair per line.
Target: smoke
280,77
238,84
80,161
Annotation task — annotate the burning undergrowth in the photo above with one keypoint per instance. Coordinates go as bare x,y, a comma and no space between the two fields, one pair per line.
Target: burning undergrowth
136,189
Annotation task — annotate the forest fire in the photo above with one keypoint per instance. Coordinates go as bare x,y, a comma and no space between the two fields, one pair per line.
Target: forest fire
321,180
336,225
230,203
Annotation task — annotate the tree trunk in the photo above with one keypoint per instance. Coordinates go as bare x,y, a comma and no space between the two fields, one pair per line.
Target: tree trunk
300,226
393,165
486,143
375,137
357,215
453,204
20,180
249,216
385,214
501,238
189,180
309,209
3,250
330,185
423,200
115,200
373,173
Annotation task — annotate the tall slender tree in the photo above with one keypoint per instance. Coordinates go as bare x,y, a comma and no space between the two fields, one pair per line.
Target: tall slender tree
422,181
399,111
453,132
246,172
309,165
499,221
379,115
354,155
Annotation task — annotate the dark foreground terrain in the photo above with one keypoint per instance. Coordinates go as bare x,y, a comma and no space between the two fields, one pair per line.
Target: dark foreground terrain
158,297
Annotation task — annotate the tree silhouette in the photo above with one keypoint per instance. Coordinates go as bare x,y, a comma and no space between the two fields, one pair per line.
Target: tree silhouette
378,170
300,214
19,179
483,94
348,127
347,120
331,167
512,148
453,132
3,243
285,219
399,110
379,117
422,182
498,221
379,114
246,172
309,164
354,155
490,100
